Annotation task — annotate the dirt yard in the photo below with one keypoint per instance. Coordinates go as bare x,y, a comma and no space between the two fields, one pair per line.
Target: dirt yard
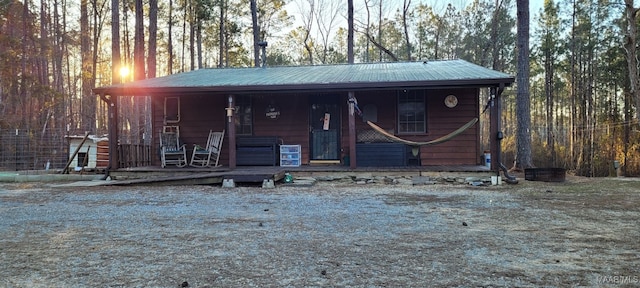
583,232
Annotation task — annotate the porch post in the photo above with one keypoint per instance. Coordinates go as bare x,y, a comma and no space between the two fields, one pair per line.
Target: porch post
352,131
494,147
113,132
231,127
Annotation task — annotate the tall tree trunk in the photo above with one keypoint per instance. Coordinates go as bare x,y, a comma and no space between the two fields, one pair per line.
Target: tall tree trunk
630,46
138,49
97,34
350,32
170,40
43,67
574,92
627,130
184,36
44,44
151,66
192,37
23,68
436,48
88,107
256,33
222,40
139,73
199,42
153,38
115,42
379,30
523,109
549,89
494,35
127,45
58,79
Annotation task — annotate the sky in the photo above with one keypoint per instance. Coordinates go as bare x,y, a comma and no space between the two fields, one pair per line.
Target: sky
439,6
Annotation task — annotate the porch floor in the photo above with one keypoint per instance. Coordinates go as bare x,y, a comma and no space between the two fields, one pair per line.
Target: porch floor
257,174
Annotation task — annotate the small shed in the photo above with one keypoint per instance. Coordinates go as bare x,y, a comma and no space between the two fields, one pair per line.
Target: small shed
93,153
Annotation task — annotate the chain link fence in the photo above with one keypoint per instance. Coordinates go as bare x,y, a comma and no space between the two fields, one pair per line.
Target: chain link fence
27,150
22,149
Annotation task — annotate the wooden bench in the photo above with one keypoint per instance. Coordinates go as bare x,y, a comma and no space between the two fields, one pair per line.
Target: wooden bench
257,151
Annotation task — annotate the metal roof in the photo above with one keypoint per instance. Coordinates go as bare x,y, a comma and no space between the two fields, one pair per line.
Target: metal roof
364,76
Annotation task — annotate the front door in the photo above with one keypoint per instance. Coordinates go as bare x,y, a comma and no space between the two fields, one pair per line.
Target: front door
325,127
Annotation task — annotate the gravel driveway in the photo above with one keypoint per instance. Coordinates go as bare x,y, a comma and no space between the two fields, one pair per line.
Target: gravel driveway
579,233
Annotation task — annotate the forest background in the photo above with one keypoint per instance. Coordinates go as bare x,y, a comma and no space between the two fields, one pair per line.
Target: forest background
53,52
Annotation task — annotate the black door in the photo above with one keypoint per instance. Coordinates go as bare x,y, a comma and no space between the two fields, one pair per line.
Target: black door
325,127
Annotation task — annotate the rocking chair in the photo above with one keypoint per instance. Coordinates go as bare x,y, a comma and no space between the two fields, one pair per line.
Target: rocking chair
171,152
204,156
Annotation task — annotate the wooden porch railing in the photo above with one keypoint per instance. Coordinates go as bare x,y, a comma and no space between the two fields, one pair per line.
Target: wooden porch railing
134,155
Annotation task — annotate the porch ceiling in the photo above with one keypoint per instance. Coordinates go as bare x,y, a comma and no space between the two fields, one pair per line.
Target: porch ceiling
365,76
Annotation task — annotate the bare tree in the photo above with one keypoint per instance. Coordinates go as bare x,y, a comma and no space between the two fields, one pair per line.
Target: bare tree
382,49
326,14
405,14
371,39
307,17
367,26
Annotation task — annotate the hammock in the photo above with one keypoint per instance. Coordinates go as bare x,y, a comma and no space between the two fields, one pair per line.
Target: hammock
442,139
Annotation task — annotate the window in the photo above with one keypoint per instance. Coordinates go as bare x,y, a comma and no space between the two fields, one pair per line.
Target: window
411,112
171,110
83,159
244,118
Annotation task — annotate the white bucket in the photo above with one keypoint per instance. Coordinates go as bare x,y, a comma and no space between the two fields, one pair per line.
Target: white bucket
487,159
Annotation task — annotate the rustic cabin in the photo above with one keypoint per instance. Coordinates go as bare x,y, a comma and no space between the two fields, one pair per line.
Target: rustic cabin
359,115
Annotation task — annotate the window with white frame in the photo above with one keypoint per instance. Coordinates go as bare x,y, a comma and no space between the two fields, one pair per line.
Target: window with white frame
412,112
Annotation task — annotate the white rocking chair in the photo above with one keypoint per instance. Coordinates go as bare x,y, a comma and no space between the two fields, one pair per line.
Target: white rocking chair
204,156
171,152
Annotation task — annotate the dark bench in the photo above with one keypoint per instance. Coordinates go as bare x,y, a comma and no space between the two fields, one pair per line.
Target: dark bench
257,151
381,154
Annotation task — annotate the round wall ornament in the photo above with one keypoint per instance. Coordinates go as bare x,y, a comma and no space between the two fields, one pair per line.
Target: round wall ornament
451,101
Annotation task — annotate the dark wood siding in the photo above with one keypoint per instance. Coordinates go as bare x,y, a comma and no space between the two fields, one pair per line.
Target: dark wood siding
198,115
441,120
201,113
292,126
463,149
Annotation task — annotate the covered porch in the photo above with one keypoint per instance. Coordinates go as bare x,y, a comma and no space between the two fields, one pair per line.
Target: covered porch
321,112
